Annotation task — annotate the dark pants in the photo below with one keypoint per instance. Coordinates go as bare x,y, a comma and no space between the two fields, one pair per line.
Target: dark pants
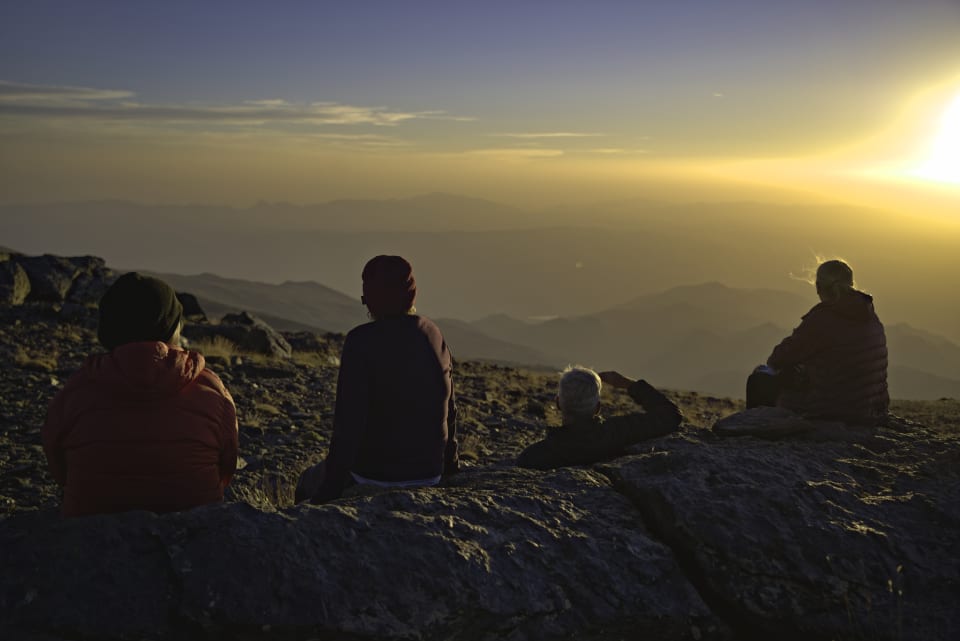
764,389
310,481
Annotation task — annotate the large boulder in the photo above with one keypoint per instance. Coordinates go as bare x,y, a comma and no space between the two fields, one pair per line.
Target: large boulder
14,283
91,282
55,280
247,332
51,277
499,554
192,311
854,538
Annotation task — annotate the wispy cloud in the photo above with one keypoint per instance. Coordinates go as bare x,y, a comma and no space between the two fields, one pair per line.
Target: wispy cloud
615,150
27,94
514,153
548,134
41,101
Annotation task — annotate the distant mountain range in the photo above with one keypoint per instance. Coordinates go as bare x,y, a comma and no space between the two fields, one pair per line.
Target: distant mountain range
287,306
475,257
703,337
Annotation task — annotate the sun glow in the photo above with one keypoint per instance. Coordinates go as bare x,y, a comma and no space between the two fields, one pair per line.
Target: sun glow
942,164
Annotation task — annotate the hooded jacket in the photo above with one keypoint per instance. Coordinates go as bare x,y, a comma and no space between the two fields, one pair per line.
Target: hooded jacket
841,351
145,427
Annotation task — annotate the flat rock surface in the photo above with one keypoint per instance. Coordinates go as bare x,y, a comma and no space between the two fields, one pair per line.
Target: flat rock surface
501,554
811,540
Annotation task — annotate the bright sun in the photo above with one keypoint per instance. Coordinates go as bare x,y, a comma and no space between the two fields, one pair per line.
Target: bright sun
942,163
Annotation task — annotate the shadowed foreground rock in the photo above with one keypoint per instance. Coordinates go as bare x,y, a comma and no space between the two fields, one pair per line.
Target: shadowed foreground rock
814,540
698,537
501,554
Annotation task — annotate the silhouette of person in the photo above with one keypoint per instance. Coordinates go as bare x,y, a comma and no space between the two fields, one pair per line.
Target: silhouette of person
145,426
395,415
834,364
585,437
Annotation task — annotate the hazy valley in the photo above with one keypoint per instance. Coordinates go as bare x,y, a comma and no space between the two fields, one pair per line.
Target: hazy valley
691,296
702,337
475,258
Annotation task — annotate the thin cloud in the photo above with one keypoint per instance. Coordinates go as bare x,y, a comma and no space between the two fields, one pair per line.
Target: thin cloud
517,154
13,92
548,134
40,101
616,150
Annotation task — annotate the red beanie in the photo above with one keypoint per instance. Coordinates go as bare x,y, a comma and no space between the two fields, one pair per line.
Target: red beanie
389,288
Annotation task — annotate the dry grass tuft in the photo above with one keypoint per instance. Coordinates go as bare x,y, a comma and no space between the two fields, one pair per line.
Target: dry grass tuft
315,359
36,362
271,493
217,346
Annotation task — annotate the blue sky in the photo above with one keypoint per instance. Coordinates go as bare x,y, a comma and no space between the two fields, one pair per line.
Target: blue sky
631,80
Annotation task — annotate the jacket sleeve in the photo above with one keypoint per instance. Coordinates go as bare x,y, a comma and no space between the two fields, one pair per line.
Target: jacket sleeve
451,456
662,416
230,446
51,434
349,421
608,439
806,340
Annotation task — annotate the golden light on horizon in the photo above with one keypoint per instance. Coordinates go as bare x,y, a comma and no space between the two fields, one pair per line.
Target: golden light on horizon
942,164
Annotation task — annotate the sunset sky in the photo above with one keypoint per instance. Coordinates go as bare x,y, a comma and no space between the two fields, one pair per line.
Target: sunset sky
532,103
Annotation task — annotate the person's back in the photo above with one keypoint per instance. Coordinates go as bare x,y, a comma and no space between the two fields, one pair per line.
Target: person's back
407,369
395,418
834,364
145,426
841,347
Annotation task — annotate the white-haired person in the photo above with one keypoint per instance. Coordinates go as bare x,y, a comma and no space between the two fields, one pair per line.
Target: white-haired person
585,437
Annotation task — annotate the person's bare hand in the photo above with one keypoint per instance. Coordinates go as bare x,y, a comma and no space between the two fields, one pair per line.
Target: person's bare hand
616,379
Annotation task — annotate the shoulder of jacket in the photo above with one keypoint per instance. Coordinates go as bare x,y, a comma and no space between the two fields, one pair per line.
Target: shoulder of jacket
209,378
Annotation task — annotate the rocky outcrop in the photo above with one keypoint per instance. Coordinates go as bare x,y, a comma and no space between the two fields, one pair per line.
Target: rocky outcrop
806,540
246,331
53,280
498,554
691,537
192,311
14,282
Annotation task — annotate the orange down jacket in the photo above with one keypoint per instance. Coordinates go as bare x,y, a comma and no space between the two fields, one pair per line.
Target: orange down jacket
145,427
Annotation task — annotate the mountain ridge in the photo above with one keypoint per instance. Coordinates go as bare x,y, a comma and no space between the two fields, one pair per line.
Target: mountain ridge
666,339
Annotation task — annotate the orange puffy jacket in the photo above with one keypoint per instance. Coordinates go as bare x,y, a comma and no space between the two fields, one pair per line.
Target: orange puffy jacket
145,427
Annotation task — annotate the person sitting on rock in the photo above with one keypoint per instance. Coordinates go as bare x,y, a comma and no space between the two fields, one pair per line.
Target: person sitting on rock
585,437
395,417
145,426
834,364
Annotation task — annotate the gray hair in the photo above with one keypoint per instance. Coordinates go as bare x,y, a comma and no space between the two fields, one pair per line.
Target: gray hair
579,391
834,279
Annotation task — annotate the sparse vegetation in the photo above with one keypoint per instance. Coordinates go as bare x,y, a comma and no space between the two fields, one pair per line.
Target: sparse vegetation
316,359
270,493
266,408
32,360
216,347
